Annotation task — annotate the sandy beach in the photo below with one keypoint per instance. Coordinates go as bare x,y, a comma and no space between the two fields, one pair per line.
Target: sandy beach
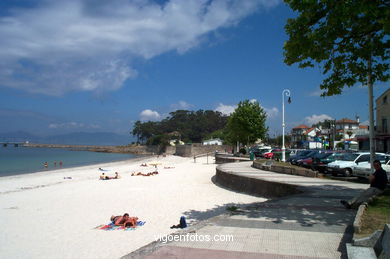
48,215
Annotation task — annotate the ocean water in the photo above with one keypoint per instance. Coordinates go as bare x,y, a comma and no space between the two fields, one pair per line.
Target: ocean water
21,160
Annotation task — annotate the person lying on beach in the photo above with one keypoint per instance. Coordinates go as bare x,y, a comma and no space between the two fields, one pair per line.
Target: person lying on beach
168,167
147,174
115,177
104,177
144,164
124,221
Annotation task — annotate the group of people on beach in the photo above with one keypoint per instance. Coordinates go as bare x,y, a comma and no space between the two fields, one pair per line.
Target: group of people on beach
125,221
46,164
106,177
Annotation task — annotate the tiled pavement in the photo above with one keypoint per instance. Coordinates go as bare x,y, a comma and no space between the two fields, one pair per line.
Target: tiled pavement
308,225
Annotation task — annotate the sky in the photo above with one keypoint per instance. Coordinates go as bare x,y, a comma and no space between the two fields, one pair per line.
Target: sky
99,66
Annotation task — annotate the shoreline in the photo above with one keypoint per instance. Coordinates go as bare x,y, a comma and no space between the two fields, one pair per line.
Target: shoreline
49,216
128,149
58,169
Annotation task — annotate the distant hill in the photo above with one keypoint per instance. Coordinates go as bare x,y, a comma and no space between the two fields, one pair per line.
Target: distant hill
75,138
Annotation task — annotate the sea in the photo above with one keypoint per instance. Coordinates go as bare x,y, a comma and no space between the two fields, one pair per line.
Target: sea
23,160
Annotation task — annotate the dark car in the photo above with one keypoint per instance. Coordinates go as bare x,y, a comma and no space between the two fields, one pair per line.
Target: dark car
259,152
320,162
300,155
307,158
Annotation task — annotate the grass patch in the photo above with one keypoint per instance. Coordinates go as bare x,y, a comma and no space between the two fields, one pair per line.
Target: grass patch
376,215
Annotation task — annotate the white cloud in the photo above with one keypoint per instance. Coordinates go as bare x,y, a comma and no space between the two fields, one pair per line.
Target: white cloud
149,115
271,112
229,109
313,119
56,47
225,109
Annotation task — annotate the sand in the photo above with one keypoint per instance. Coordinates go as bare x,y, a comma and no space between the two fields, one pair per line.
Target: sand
43,215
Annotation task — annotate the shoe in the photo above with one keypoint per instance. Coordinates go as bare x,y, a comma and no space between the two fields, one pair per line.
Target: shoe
346,204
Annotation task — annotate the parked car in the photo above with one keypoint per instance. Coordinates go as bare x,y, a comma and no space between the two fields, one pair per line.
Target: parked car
308,161
270,154
322,160
260,151
363,169
347,163
301,155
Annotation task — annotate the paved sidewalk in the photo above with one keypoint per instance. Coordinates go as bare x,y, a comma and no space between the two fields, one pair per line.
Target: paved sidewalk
308,225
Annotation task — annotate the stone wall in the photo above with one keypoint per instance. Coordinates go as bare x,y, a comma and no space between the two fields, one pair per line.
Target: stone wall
198,149
181,150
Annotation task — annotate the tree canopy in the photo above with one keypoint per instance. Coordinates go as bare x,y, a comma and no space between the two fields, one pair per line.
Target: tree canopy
247,123
348,39
189,126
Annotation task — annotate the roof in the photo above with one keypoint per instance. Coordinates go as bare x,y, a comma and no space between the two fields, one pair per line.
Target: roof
346,120
302,126
309,130
363,127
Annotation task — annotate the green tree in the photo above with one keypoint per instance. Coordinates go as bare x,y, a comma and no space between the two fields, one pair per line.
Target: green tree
247,123
348,39
189,126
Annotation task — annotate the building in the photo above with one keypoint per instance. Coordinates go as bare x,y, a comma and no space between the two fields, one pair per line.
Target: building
347,128
298,136
382,122
215,141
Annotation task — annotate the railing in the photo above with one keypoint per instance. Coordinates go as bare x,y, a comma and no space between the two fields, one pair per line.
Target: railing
203,155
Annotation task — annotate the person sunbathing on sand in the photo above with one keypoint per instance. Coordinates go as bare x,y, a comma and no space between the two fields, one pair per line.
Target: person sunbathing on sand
104,177
147,174
124,220
116,176
144,164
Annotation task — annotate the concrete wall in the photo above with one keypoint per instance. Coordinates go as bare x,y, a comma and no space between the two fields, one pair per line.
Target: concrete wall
225,158
286,169
184,150
254,186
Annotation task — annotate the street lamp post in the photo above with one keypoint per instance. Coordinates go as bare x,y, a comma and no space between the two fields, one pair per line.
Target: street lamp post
285,92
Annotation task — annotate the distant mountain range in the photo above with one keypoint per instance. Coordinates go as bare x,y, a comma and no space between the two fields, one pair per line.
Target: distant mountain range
75,138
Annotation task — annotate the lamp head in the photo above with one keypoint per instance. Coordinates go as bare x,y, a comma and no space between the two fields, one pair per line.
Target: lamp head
289,100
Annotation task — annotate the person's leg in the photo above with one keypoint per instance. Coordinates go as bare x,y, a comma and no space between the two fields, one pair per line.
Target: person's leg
364,197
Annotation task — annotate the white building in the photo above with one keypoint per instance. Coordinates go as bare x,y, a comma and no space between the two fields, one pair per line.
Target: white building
215,141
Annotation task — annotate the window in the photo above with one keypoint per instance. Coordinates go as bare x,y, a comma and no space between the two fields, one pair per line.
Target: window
363,158
384,125
385,99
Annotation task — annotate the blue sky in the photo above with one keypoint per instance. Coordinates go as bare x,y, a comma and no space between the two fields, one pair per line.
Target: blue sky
94,65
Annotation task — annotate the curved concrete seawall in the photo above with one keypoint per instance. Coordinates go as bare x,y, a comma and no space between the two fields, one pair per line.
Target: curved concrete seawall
225,158
252,185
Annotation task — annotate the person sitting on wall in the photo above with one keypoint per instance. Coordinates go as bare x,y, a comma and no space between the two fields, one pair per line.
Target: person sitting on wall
378,181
